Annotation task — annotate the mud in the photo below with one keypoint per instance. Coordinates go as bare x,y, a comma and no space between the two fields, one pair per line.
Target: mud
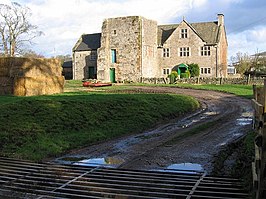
192,140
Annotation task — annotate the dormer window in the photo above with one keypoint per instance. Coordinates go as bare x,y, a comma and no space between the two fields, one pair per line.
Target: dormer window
183,33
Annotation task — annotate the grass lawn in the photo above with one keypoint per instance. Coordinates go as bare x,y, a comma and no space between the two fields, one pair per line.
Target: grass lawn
46,126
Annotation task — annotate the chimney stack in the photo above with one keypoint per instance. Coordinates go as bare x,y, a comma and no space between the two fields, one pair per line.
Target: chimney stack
220,19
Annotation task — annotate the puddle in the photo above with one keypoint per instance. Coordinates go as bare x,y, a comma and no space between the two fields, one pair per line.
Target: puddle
210,113
244,121
185,168
105,162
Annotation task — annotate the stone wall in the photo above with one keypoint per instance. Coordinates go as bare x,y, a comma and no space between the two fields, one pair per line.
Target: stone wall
134,39
28,76
205,80
149,48
122,34
82,63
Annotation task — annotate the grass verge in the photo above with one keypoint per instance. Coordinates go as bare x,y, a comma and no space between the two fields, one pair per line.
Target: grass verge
235,160
245,91
47,126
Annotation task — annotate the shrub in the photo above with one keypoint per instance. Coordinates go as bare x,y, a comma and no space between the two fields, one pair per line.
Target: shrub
185,74
194,69
173,75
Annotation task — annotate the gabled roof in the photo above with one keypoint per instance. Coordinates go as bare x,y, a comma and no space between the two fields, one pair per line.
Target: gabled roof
88,42
164,32
67,63
207,31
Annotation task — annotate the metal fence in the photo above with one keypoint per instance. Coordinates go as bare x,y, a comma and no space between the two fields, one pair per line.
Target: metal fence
23,179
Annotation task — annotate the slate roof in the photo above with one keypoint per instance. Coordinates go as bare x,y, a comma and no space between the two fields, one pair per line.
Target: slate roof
88,42
207,31
67,63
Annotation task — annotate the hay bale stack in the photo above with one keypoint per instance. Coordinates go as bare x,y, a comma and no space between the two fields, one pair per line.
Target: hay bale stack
28,76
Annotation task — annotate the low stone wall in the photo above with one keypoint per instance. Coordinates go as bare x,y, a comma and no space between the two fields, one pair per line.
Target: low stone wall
202,80
28,76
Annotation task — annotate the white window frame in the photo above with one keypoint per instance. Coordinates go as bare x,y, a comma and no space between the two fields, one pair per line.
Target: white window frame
205,51
166,71
166,52
184,52
205,70
183,33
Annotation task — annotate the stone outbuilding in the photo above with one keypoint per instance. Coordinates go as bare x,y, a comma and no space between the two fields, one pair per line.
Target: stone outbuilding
133,47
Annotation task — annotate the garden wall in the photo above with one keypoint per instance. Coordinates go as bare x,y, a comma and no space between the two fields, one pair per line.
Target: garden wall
29,76
204,80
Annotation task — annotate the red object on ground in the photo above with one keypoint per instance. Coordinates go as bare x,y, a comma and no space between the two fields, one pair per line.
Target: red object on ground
98,84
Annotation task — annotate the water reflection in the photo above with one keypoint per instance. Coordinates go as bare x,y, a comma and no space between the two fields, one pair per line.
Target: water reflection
185,168
244,121
105,162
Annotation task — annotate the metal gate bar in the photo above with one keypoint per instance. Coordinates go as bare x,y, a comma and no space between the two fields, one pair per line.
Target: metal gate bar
25,179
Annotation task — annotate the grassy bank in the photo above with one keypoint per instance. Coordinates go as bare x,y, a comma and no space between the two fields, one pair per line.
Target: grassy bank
46,126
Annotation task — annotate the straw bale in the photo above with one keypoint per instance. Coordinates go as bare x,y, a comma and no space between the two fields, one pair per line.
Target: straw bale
28,76
29,86
6,90
5,65
6,81
55,84
19,86
27,67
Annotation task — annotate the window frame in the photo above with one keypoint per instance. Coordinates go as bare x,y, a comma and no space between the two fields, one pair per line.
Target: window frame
205,70
113,56
166,52
205,51
184,52
184,33
166,71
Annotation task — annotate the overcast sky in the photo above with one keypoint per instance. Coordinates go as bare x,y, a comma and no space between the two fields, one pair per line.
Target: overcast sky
63,21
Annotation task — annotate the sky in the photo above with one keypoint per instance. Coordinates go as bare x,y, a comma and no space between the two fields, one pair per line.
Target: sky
63,21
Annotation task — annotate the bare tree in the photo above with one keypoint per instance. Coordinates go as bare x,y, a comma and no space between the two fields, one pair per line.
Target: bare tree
246,64
15,28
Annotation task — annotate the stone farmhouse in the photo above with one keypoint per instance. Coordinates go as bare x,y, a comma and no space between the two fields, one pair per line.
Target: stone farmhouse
131,48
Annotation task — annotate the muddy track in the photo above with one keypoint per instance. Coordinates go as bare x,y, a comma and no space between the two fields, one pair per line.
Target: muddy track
196,138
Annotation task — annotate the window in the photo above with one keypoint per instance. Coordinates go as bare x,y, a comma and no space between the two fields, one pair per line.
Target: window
113,55
93,55
184,52
205,51
183,33
114,32
205,70
166,71
166,52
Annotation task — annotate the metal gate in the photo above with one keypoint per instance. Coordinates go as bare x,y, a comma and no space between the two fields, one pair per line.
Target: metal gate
24,179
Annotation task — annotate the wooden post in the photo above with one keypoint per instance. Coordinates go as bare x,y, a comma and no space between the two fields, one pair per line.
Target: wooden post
258,167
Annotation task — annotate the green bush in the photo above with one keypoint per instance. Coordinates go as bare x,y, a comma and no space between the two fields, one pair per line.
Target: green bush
194,69
185,74
173,75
